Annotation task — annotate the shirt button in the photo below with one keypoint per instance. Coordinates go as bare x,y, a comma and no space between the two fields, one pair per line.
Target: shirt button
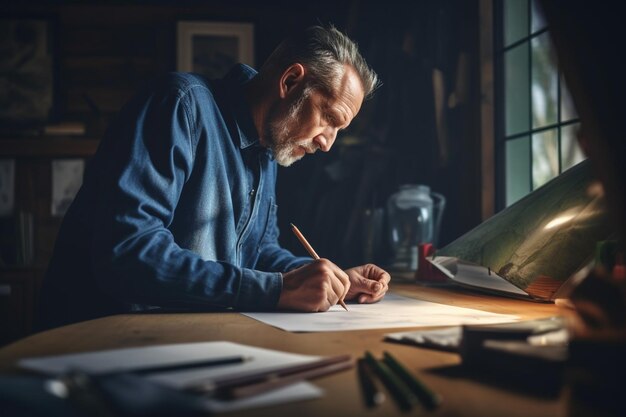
252,191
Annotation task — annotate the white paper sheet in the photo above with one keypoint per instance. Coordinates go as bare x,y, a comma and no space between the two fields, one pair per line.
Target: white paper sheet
129,358
391,312
473,275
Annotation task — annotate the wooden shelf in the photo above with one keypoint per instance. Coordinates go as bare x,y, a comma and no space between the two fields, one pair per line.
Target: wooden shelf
48,147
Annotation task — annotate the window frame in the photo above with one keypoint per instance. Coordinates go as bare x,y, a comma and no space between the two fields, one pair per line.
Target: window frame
501,138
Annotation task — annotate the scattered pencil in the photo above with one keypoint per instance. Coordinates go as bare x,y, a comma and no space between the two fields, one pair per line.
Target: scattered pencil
428,398
397,388
372,395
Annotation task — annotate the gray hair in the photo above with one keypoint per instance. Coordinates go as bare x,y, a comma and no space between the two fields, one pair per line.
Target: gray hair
323,51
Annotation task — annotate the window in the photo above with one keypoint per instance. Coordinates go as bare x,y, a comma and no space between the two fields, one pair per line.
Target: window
536,123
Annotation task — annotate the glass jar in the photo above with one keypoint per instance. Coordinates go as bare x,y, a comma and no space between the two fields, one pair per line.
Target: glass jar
410,222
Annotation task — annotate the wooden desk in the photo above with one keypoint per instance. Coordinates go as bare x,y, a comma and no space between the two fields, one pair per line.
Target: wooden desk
463,395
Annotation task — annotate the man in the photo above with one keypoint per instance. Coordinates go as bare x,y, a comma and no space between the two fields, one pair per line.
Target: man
178,207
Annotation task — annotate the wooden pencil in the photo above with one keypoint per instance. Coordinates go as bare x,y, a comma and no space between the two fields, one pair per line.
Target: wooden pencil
311,251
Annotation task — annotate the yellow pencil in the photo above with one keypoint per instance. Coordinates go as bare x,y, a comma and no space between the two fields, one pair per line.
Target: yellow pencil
311,251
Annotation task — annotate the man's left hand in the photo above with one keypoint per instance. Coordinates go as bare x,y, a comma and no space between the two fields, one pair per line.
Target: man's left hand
368,283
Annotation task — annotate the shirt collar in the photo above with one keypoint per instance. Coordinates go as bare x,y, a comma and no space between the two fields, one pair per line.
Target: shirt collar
236,79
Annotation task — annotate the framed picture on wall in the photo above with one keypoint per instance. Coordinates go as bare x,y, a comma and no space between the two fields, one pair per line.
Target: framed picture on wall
212,48
67,177
27,71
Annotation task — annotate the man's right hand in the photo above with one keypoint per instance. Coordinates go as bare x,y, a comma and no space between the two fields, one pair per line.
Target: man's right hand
313,287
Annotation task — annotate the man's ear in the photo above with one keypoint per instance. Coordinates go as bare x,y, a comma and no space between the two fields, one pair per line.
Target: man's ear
292,76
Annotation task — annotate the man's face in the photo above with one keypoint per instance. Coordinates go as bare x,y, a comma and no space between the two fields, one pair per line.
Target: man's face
307,120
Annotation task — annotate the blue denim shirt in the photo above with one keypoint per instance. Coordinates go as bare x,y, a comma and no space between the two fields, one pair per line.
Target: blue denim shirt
177,209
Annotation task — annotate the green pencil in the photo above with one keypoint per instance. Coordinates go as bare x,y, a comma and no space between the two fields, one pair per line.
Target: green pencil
428,398
372,395
402,394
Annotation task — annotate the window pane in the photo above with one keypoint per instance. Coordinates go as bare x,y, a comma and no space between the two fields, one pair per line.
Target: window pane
571,154
515,20
545,82
568,111
517,169
537,20
545,157
517,90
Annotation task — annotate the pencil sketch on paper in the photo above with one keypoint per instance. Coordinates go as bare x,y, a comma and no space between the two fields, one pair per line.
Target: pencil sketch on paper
393,311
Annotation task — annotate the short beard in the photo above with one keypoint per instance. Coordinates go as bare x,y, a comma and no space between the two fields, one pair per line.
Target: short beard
280,130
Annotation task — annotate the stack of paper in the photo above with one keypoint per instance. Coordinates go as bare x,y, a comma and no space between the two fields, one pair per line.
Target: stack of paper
132,358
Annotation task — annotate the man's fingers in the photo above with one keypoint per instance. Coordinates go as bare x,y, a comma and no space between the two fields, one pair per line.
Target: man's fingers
341,275
338,289
369,286
378,274
369,283
342,279
376,287
314,287
367,298
339,281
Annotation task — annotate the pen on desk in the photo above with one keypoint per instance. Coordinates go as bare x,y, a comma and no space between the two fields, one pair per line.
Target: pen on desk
279,380
397,388
247,384
181,366
311,251
430,399
372,395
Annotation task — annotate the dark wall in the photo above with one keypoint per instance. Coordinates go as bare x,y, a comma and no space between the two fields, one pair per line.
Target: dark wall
107,49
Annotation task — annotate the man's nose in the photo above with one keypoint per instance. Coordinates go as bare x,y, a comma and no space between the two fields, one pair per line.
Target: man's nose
326,140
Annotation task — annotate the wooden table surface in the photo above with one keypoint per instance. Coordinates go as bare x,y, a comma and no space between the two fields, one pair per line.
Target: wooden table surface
464,393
